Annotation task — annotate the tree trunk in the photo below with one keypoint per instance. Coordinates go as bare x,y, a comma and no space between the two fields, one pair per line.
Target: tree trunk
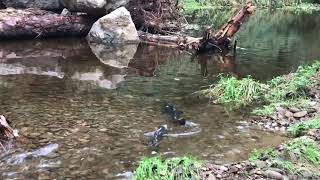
35,23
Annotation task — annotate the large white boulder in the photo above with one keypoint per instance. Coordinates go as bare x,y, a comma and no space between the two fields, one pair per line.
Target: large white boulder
41,4
114,28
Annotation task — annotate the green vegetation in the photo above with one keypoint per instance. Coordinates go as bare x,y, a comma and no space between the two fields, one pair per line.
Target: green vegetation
230,90
299,129
306,152
285,91
256,155
294,5
169,169
306,149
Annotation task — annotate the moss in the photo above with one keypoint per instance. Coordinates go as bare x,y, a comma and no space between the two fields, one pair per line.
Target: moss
168,169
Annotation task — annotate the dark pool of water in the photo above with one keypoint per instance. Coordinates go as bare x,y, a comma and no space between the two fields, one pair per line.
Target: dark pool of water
97,102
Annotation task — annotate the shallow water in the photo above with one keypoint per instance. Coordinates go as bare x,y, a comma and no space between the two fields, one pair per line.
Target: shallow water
80,97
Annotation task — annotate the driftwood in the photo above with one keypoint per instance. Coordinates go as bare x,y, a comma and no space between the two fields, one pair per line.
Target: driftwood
6,131
218,41
17,23
156,16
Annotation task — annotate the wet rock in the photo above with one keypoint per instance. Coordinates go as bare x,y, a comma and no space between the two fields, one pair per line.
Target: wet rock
273,174
288,114
300,114
114,28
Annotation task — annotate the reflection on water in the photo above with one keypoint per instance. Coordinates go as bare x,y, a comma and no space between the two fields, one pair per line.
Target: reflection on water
97,104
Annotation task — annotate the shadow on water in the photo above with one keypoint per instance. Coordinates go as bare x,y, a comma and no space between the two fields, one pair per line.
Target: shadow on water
96,102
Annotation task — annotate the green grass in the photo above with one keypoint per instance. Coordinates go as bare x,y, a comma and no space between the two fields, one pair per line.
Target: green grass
291,5
234,92
168,169
306,149
256,155
299,129
284,91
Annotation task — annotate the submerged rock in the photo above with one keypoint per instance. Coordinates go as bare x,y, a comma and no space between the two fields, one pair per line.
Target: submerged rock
114,28
41,4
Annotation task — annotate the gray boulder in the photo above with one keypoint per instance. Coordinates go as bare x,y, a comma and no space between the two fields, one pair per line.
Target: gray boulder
41,4
114,28
114,4
91,7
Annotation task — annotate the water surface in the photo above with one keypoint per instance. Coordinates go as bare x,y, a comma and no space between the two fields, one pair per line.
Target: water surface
82,98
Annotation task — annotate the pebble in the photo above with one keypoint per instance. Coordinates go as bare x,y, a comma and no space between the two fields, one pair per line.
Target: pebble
261,164
211,177
223,168
274,124
300,114
288,114
233,169
103,130
273,174
294,110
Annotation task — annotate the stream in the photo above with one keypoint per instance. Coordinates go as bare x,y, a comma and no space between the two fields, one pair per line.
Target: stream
82,110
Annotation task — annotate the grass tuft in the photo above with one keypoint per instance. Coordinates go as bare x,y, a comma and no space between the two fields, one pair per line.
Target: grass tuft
256,155
284,91
168,169
306,149
234,92
299,129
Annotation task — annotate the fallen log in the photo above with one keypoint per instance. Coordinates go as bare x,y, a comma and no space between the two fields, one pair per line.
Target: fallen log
216,42
35,23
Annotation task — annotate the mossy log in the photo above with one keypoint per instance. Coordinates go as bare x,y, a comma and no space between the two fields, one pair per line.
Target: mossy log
35,23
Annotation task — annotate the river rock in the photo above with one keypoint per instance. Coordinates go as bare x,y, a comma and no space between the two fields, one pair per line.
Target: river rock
91,7
288,114
273,174
114,28
300,114
294,110
114,4
41,4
